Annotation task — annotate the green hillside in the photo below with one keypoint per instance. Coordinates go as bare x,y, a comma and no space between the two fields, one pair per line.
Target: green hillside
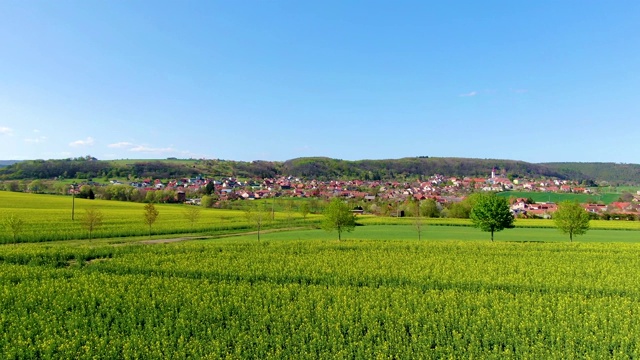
321,168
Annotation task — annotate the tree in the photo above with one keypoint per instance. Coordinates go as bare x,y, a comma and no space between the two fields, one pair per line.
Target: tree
14,186
459,210
207,201
626,197
304,210
257,215
338,216
150,215
192,214
571,218
314,205
491,213
289,206
462,209
92,220
419,225
209,188
14,225
36,186
86,192
429,208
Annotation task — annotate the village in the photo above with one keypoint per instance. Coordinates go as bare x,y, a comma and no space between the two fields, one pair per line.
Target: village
444,190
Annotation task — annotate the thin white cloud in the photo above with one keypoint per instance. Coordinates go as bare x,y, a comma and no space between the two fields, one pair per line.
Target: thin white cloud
86,142
121,145
150,150
473,93
146,149
5,130
37,140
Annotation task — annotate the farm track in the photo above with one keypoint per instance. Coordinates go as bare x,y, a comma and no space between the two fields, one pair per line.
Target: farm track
179,239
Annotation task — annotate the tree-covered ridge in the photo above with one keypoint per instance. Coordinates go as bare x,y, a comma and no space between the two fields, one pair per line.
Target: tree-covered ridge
617,173
321,168
407,167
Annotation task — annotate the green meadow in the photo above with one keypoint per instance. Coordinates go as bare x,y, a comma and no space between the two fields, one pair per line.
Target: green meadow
48,218
606,198
451,233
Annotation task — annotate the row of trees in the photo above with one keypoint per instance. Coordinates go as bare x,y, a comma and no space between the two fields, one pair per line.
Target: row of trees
93,219
488,212
491,213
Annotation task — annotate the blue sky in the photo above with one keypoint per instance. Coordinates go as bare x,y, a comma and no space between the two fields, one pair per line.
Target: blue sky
539,81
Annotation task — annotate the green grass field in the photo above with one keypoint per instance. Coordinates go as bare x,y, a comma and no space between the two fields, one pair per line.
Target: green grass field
48,218
520,223
451,233
606,198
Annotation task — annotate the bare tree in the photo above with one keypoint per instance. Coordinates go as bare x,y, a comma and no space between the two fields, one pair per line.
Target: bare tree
256,215
288,208
92,220
150,215
192,214
14,225
304,210
419,224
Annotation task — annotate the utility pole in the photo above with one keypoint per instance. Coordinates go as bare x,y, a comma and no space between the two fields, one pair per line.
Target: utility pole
73,201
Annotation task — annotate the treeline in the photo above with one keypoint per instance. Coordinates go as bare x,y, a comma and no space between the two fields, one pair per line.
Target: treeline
89,169
613,173
321,168
412,167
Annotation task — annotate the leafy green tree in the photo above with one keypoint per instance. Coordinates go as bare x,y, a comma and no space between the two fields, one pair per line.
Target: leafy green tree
207,201
150,196
86,192
92,220
429,208
14,225
491,213
338,216
459,210
304,210
61,188
14,186
209,188
571,218
462,210
150,215
36,186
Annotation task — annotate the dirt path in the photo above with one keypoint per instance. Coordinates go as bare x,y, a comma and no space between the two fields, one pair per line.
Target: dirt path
172,240
166,241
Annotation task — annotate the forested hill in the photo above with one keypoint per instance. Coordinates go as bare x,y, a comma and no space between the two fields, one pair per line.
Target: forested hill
408,167
318,168
616,173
